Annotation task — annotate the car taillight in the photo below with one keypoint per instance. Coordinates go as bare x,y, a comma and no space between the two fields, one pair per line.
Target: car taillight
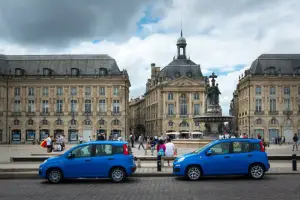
262,148
125,149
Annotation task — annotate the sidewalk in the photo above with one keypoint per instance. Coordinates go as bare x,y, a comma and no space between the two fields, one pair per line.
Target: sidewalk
30,170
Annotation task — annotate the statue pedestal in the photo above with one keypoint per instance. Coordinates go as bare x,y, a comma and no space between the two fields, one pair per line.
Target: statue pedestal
214,110
214,128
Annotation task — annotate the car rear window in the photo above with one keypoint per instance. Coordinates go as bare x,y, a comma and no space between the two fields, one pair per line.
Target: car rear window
255,147
117,150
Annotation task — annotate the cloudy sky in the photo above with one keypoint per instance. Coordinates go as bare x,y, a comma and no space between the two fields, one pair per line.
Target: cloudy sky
222,36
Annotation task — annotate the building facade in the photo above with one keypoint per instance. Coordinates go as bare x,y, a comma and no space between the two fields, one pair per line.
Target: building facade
269,97
137,116
174,95
73,95
234,111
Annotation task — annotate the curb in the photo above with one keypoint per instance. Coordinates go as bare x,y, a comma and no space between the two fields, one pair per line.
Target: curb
34,175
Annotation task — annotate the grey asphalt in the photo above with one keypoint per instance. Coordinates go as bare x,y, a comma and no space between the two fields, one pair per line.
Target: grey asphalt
160,188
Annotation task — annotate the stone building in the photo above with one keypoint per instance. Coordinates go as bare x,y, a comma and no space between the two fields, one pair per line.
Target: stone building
269,97
233,111
137,116
174,94
74,95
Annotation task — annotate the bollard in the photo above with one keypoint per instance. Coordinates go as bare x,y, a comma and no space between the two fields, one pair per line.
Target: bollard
294,162
158,163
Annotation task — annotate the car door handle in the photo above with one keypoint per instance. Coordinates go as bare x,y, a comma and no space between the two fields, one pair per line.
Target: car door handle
249,155
226,156
110,158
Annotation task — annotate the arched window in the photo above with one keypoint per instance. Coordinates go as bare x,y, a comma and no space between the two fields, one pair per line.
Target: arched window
16,122
102,71
171,123
116,122
59,122
101,122
183,105
271,70
258,121
274,121
87,122
30,122
184,124
73,122
46,72
44,122
74,72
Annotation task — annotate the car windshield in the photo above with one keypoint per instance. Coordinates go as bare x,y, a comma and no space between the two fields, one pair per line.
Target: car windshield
201,148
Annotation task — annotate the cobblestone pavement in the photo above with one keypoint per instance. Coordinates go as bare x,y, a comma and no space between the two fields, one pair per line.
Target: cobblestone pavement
272,187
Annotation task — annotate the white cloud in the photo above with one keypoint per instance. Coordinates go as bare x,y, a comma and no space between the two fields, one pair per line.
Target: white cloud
236,33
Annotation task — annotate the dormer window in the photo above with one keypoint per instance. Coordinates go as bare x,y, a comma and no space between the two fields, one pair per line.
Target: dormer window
177,74
74,72
189,74
271,70
102,71
19,72
46,72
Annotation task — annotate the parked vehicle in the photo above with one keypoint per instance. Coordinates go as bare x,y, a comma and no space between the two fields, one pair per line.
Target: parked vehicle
100,159
236,156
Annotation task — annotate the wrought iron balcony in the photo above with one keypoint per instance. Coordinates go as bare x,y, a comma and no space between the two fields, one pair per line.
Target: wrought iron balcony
287,112
101,113
170,115
45,113
184,116
115,113
273,112
16,114
73,113
259,112
59,113
30,113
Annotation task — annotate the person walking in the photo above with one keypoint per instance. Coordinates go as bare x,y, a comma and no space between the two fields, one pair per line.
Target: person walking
161,148
295,142
152,144
170,149
141,141
131,138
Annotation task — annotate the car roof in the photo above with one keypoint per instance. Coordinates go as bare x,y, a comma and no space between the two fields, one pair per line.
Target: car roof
106,142
252,140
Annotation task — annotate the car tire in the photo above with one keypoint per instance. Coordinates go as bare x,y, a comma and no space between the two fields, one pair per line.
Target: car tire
54,176
193,173
117,175
256,171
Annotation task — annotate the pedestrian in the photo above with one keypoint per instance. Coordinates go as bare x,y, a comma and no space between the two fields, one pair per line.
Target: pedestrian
90,139
80,139
131,138
161,148
141,141
49,141
170,149
152,144
295,142
102,137
259,136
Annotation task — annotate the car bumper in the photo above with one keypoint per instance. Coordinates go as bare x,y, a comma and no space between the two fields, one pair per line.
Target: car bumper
42,172
178,170
131,170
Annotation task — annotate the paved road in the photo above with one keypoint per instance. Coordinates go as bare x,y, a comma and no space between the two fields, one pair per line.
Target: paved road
272,187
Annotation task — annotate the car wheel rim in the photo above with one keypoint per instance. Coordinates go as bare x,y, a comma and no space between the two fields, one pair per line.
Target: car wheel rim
194,173
257,171
54,176
117,175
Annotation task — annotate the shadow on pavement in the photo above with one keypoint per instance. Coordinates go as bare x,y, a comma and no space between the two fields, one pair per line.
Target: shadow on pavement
227,178
91,181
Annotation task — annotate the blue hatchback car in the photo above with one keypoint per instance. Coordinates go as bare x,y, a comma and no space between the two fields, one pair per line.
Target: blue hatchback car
100,159
224,157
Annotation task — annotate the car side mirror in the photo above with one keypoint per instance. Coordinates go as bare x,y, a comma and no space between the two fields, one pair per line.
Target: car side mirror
209,152
70,155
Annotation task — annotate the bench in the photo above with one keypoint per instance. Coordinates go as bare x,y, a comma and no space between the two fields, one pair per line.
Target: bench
152,158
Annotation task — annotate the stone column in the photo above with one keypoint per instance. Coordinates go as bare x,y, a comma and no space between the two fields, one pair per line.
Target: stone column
190,105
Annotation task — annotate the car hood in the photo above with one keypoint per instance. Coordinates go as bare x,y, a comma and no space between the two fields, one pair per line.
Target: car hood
54,158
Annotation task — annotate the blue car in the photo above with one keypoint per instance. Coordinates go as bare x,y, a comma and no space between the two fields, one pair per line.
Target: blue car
101,159
224,157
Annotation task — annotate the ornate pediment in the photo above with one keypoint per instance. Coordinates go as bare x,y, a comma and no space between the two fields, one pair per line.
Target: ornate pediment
184,82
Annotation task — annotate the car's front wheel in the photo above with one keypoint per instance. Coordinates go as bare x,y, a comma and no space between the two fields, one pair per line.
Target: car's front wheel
193,173
54,176
256,171
117,175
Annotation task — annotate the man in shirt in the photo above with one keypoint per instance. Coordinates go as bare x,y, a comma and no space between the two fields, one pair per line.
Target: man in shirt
49,141
295,143
170,149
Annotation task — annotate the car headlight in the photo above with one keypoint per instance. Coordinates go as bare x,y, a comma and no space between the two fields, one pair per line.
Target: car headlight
181,159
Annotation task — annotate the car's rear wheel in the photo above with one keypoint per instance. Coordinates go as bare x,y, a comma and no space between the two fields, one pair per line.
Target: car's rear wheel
193,173
54,176
256,171
117,175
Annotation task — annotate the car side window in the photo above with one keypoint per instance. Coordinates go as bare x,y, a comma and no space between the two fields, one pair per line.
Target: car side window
82,151
104,150
221,148
241,147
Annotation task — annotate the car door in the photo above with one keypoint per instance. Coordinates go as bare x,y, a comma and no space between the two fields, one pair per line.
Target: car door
79,165
218,163
241,157
103,160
